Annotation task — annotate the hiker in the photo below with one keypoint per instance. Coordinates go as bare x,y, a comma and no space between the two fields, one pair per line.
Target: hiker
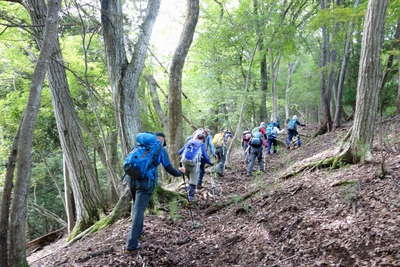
141,170
209,149
256,152
220,142
192,154
272,135
292,131
246,136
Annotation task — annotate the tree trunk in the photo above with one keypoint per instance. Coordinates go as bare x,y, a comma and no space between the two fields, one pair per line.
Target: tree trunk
359,146
398,87
156,101
69,198
6,200
263,63
274,76
18,218
87,194
342,73
124,76
175,79
291,70
324,79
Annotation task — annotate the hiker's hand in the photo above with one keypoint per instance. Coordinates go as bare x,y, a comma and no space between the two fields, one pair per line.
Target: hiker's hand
182,169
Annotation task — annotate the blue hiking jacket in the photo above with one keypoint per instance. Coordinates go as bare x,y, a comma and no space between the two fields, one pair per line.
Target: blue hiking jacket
163,159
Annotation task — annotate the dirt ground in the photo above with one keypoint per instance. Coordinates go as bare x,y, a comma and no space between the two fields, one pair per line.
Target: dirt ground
342,217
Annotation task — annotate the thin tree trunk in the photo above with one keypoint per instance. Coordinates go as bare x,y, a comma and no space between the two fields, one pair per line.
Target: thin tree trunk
324,78
398,87
242,107
291,70
274,73
69,198
359,146
263,63
6,199
175,78
124,75
18,218
156,101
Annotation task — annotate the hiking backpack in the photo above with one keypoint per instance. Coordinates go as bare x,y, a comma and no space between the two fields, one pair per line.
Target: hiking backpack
256,141
143,158
270,130
292,124
218,140
192,152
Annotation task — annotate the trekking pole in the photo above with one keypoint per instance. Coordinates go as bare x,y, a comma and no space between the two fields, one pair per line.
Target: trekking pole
190,205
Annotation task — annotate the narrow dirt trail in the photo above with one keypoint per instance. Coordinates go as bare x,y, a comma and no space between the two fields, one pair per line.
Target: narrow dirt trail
341,217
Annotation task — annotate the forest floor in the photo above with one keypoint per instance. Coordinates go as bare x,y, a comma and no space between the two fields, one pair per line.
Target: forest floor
323,217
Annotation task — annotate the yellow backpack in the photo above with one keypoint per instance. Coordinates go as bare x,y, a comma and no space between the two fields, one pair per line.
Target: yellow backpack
218,139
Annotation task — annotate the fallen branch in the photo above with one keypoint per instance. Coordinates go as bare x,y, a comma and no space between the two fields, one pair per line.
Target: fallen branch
42,241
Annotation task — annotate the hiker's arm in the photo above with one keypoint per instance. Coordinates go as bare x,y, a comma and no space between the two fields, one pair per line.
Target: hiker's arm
168,166
180,151
204,154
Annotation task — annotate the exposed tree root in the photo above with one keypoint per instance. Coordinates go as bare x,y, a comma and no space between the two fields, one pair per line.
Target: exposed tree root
220,206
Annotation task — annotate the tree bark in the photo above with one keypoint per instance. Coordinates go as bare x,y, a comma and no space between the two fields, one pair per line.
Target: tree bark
87,194
275,62
291,70
69,198
175,79
263,64
342,73
398,88
359,146
18,218
156,101
324,79
6,200
124,75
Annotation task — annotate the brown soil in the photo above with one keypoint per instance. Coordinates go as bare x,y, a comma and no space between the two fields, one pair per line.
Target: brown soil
344,217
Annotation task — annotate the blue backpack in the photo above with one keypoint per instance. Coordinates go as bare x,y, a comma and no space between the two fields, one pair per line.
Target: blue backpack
192,152
256,141
143,158
270,130
292,125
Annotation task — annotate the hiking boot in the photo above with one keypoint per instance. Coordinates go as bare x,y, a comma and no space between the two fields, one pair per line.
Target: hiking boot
191,198
199,186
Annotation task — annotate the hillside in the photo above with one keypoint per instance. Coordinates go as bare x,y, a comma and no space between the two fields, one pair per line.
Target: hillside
323,217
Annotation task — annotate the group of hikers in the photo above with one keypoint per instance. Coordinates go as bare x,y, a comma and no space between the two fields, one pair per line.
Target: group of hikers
142,162
266,136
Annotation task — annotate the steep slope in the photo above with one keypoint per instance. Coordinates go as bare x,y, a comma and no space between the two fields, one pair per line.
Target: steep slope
343,217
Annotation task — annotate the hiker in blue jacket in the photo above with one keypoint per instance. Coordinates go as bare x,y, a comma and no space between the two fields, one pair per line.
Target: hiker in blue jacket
142,191
292,131
192,154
